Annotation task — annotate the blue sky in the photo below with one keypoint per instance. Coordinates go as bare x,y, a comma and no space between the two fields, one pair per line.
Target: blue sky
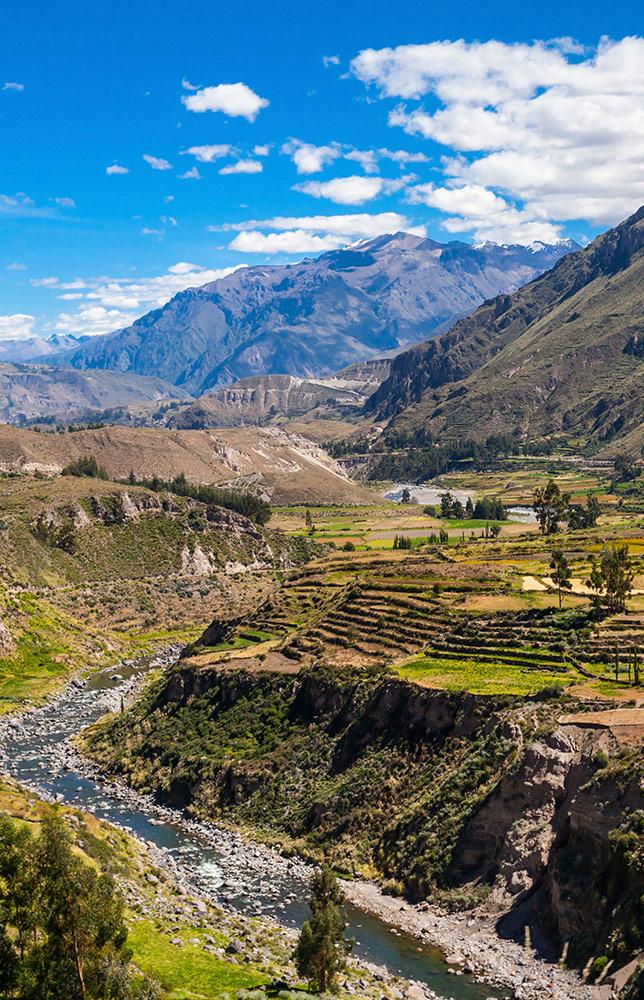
150,146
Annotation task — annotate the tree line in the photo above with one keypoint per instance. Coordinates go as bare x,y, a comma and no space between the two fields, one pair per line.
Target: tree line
247,504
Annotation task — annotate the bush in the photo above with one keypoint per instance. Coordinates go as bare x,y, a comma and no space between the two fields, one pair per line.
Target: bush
348,547
87,466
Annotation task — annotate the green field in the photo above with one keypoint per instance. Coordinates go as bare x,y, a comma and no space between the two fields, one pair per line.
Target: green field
484,678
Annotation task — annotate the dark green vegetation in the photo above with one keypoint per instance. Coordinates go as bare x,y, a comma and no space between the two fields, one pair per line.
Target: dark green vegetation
611,578
431,791
62,928
322,949
84,467
246,504
561,357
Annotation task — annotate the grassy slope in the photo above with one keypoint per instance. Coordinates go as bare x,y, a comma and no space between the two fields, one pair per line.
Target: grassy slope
124,590
550,359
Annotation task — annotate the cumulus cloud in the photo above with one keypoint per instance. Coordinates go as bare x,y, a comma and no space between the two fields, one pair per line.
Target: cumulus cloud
116,168
347,226
157,162
243,167
10,85
353,190
107,304
290,241
553,130
207,154
65,202
308,158
314,233
311,159
261,150
236,100
16,326
330,61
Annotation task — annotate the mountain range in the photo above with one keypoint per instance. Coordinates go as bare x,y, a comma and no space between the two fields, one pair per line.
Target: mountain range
317,316
30,392
564,354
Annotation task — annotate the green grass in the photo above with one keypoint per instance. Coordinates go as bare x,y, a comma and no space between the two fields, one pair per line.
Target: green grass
478,677
188,972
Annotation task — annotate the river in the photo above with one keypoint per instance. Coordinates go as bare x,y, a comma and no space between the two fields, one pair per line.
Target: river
213,863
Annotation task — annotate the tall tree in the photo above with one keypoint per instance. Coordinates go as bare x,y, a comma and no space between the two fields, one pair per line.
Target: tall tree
322,948
560,572
611,578
550,506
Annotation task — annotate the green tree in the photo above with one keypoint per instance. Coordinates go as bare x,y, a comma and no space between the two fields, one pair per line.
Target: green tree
611,578
560,572
62,934
322,949
405,496
584,517
625,469
308,520
550,506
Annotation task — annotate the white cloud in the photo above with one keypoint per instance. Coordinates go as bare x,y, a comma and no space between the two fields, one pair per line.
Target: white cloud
70,296
49,282
236,100
207,154
157,162
17,326
190,175
348,226
187,85
115,168
16,266
330,61
308,158
554,130
261,150
471,199
243,167
290,241
111,303
10,85
65,202
149,231
351,190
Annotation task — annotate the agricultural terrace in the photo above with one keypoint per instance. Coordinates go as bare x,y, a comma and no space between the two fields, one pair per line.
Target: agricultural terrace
469,612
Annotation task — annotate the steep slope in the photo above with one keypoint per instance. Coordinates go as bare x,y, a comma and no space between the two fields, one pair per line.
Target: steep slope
39,391
564,353
288,468
313,317
451,797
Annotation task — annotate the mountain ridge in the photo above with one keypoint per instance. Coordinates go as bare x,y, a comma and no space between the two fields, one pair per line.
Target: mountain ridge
315,316
559,353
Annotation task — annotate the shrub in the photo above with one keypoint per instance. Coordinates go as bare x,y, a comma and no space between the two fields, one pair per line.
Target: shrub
87,466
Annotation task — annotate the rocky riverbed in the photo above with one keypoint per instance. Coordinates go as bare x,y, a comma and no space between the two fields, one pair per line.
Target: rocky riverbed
220,867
